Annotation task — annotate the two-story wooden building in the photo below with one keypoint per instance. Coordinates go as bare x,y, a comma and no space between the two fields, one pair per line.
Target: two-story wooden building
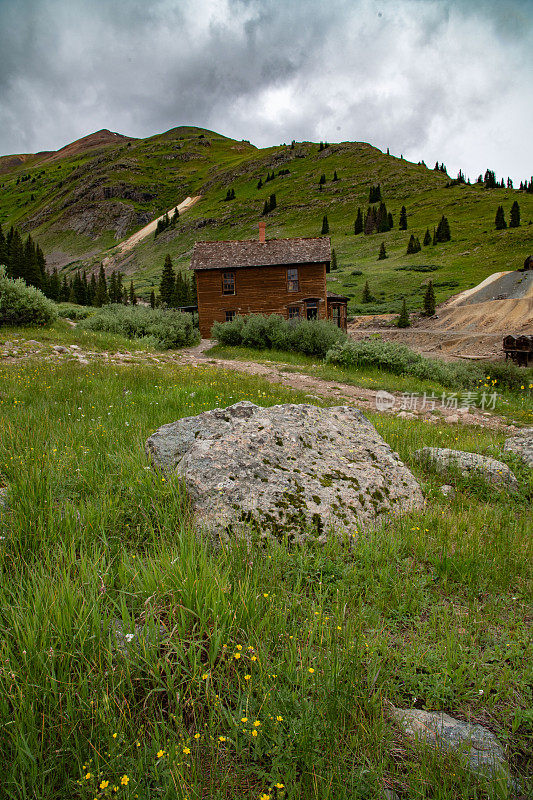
265,276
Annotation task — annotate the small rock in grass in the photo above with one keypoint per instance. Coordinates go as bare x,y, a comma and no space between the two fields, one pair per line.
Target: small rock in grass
59,348
521,444
74,347
481,749
452,418
447,490
495,472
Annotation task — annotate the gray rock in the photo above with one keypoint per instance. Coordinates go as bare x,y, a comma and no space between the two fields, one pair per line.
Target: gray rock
142,636
494,472
3,498
521,444
60,349
296,470
480,748
447,490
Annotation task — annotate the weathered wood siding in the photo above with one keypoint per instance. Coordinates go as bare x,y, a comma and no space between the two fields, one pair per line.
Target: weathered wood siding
258,290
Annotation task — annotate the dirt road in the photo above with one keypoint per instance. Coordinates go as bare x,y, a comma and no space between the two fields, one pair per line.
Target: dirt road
129,244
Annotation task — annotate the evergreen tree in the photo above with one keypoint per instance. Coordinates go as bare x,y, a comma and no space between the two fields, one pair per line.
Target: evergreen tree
152,299
266,209
443,230
260,183
367,296
325,225
434,242
429,300
414,245
335,176
273,202
382,252
358,224
402,225
371,222
133,296
403,319
3,247
85,288
64,292
112,289
382,219
101,297
91,294
490,179
77,289
374,196
168,279
390,221
514,218
499,221
54,286
427,238
333,260
322,179
175,217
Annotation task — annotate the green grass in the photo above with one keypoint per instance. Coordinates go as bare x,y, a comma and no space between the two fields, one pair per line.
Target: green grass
168,167
429,610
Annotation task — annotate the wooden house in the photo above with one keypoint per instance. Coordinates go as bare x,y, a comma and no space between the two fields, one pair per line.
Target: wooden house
265,276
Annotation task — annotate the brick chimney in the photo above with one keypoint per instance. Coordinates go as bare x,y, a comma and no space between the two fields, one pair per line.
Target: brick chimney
262,226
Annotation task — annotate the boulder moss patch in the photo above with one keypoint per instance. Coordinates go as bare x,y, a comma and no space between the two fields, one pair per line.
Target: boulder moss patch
288,470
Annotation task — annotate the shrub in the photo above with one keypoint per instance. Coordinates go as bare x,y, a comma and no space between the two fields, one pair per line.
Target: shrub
400,360
23,305
71,311
166,329
312,337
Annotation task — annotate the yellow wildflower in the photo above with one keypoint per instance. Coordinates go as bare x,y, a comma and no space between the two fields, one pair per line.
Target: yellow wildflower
124,780
160,753
221,738
236,655
244,719
254,733
279,719
257,723
104,784
311,670
186,750
247,677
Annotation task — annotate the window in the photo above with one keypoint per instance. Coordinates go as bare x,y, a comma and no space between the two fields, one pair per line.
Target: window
311,309
336,315
294,312
292,280
230,315
228,283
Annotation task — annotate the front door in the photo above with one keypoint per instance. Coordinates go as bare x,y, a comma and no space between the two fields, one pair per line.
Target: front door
311,309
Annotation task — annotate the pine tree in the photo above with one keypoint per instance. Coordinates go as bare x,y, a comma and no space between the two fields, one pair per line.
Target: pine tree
367,296
414,245
382,218
382,252
374,195
402,225
168,278
152,299
175,217
112,289
371,223
273,202
333,260
54,286
390,221
64,291
260,183
91,295
133,296
322,179
101,297
325,225
443,230
514,218
335,176
429,300
499,221
358,224
403,319
266,209
427,238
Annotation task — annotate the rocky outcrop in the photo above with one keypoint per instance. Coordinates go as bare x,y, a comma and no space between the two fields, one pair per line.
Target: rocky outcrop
479,747
443,459
289,470
521,444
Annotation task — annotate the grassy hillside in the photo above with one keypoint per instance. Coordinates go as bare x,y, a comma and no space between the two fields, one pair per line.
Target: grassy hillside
85,203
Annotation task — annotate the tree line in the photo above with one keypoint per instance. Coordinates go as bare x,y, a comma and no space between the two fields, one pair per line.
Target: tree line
176,290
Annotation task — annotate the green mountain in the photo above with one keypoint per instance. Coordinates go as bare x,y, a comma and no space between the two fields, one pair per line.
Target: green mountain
82,200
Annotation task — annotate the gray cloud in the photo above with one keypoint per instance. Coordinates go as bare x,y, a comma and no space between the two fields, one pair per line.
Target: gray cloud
432,79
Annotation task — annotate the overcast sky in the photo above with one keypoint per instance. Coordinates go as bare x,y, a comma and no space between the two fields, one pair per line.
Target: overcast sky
432,79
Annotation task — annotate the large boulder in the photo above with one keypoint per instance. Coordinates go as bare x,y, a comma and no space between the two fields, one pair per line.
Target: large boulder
289,470
443,459
521,444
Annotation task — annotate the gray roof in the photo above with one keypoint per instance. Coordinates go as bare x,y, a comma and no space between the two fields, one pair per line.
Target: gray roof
253,253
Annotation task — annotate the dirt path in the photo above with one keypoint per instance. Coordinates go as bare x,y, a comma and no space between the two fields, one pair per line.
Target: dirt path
370,399
129,244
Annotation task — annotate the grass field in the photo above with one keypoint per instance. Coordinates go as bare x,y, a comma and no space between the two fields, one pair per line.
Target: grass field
277,665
